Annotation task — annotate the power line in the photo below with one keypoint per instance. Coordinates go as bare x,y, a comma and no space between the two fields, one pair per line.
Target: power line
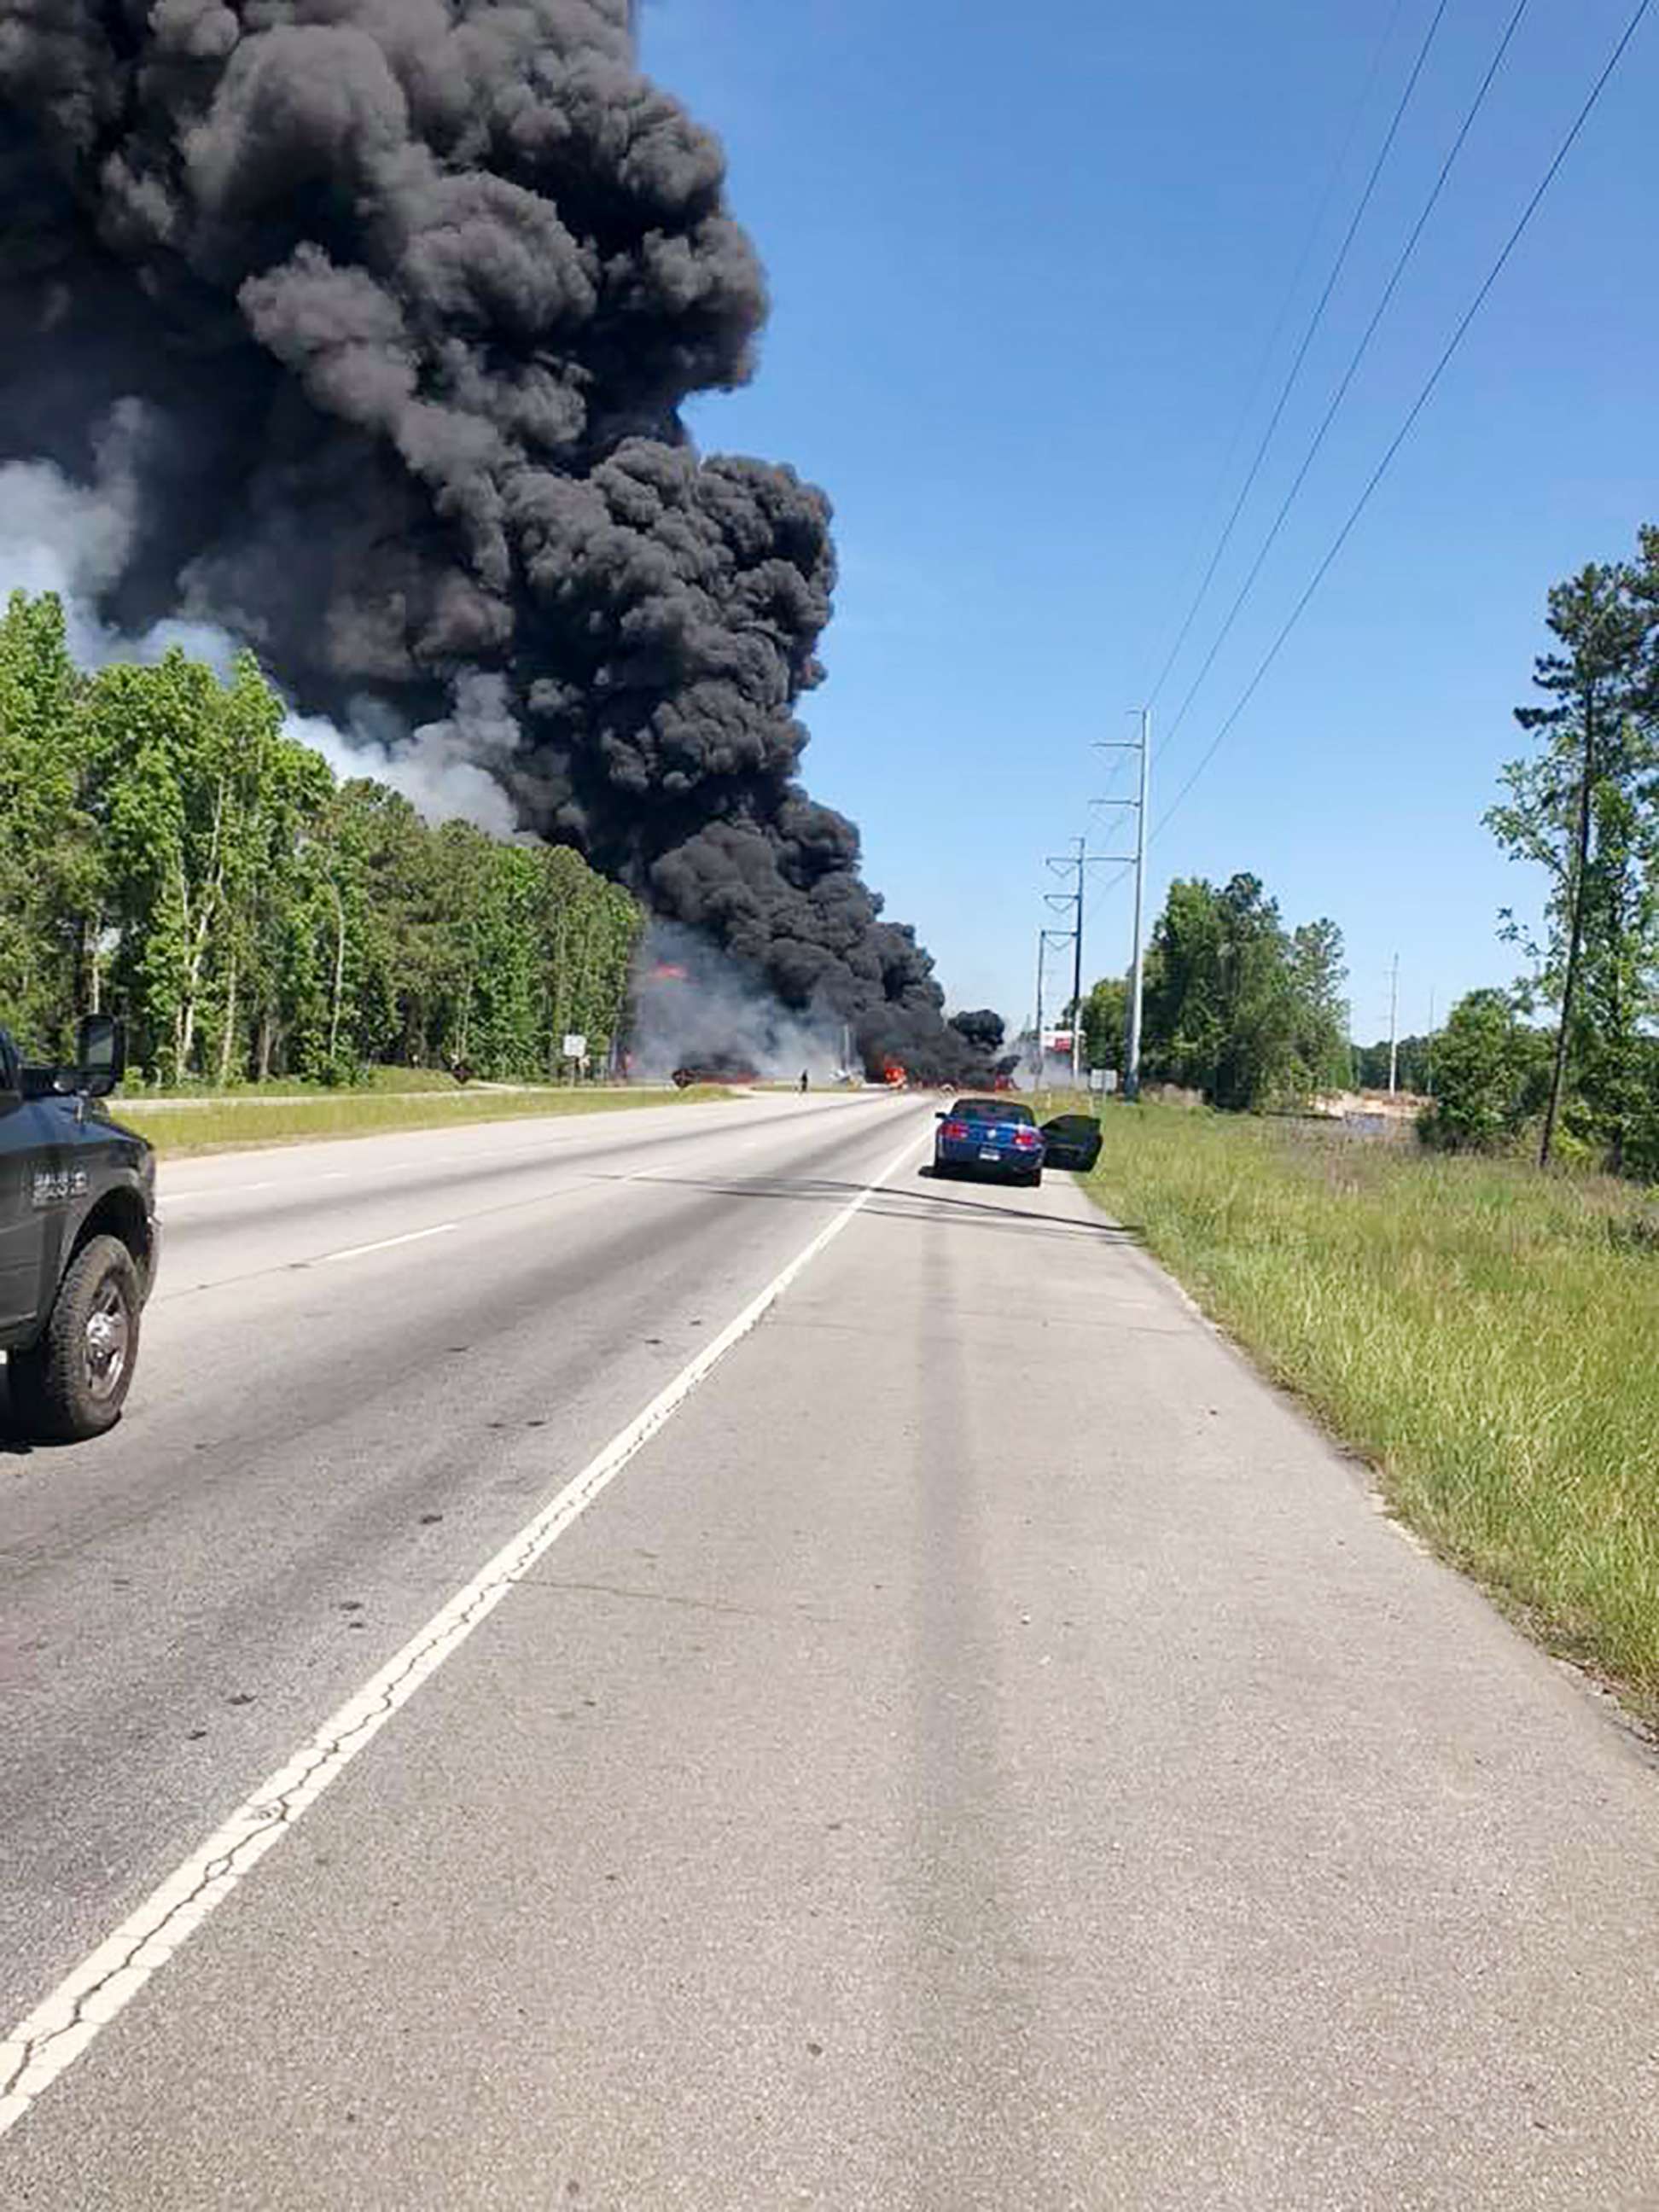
1260,379
1353,369
1116,794
1308,336
1119,781
1316,317
1417,407
1109,887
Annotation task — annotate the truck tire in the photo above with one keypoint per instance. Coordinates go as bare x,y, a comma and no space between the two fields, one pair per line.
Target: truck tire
73,1383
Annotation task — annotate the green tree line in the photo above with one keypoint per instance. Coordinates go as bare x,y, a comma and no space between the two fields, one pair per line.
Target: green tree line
1234,1005
1412,1059
169,852
1564,1061
1582,806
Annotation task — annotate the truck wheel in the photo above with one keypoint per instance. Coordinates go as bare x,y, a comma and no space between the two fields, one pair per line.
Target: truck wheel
73,1383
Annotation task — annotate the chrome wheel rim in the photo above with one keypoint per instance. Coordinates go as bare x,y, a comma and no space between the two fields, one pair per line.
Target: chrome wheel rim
108,1342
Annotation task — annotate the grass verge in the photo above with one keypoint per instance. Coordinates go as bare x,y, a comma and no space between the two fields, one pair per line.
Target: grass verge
234,1125
374,1079
1486,1336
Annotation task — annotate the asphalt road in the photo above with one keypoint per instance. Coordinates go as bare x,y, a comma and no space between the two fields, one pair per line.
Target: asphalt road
981,1749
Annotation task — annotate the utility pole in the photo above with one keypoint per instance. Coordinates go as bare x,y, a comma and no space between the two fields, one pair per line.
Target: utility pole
1061,901
1143,746
1137,973
1047,940
1394,1026
1428,1078
1078,864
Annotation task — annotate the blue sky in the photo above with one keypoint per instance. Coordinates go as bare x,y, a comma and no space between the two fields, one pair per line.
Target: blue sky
1025,268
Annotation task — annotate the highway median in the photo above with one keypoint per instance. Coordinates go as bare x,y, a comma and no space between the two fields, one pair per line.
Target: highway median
179,1127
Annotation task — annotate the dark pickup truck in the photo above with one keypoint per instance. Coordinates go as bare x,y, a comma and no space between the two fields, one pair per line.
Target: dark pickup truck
79,1238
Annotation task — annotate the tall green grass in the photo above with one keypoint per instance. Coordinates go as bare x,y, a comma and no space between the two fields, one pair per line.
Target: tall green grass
1487,1336
260,1119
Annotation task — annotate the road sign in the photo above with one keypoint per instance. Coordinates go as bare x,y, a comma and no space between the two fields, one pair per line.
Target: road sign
576,1045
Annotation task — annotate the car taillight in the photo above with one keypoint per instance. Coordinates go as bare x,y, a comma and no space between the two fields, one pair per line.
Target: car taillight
956,1131
1027,1140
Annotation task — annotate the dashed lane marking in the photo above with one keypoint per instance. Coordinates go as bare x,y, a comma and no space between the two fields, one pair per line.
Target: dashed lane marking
387,1244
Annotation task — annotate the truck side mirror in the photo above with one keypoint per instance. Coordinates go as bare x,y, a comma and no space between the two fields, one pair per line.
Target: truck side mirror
101,1054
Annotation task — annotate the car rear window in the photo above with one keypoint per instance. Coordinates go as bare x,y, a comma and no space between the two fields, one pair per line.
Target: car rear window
1073,1125
989,1110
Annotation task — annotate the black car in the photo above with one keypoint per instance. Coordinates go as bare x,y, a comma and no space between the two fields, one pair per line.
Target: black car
719,1068
1072,1140
79,1238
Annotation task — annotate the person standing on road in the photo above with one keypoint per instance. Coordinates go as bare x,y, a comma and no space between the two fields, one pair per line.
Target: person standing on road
803,1080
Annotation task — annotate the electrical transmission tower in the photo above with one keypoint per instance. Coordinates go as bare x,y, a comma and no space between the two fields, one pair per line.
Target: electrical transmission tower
1049,940
1137,861
1076,864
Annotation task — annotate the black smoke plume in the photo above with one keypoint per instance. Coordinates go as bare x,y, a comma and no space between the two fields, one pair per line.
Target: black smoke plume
386,310
982,1029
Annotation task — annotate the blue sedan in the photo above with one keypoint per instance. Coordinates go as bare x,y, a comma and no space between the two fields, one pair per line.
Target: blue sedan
989,1137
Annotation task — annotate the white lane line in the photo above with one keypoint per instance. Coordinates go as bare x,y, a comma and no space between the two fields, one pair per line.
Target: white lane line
385,1244
54,2035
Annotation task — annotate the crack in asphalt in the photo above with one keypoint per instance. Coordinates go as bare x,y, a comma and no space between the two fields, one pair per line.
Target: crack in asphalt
690,1604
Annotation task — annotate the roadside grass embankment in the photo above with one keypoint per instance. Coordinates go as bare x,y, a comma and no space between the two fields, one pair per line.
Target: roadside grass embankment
258,1119
1486,1336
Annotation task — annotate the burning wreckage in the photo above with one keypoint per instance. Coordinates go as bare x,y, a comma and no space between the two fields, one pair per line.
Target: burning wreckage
698,1016
362,330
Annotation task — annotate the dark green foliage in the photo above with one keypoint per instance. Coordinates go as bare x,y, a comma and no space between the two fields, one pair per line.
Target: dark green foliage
1492,1076
1413,1060
1584,807
48,859
1322,1057
167,851
1105,1023
1237,1007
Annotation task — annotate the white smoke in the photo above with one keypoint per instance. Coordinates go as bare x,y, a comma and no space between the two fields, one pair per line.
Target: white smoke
57,536
695,1006
435,766
72,539
1027,1071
